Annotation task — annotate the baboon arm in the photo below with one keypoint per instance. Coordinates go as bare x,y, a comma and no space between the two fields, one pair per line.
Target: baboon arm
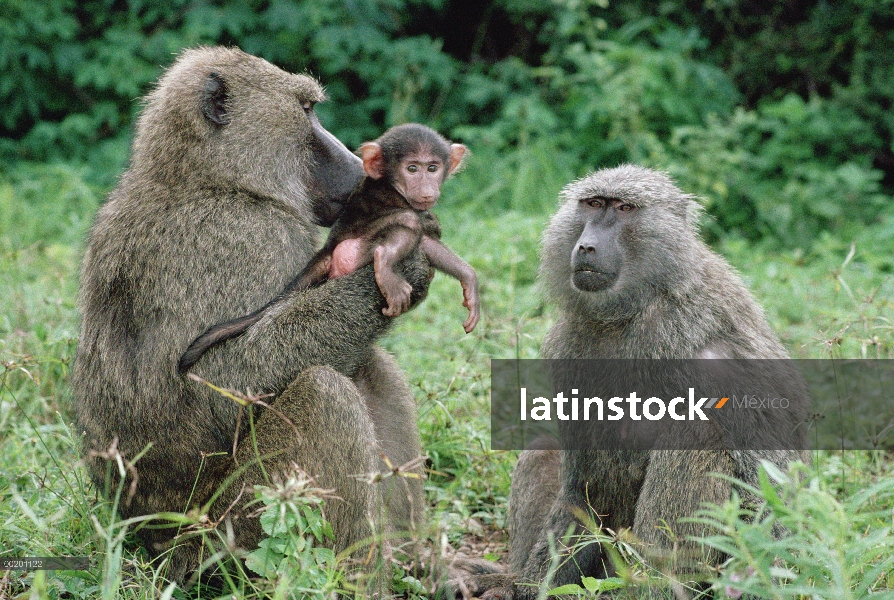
313,273
447,261
677,484
332,324
398,243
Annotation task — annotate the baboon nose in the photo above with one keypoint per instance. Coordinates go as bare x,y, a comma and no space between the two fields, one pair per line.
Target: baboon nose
588,248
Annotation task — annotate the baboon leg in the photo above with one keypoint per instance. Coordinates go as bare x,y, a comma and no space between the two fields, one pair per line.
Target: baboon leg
392,408
534,484
530,568
677,483
611,498
587,559
331,437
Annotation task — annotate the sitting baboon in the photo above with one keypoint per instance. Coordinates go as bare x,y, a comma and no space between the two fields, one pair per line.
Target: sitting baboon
623,264
230,174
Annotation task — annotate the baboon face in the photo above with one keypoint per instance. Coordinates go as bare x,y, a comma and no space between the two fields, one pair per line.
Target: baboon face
415,160
226,119
334,172
621,235
596,256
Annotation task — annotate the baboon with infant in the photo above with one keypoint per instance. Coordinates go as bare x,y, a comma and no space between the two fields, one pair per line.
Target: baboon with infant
623,263
231,172
387,217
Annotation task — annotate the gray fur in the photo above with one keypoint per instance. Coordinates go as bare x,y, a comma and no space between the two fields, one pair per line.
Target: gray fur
673,298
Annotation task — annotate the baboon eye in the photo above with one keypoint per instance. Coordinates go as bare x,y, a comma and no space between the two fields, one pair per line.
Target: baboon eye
412,168
593,202
432,168
626,207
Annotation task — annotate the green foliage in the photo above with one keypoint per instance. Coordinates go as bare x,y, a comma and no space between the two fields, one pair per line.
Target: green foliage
591,588
827,546
288,557
809,148
45,204
784,171
821,302
624,95
778,117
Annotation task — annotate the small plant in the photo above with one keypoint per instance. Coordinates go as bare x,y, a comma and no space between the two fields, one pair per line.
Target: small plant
592,587
804,541
289,557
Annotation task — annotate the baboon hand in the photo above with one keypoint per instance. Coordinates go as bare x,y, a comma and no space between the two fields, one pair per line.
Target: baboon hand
398,296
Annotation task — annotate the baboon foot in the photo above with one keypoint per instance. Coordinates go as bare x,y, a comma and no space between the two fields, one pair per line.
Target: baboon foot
473,578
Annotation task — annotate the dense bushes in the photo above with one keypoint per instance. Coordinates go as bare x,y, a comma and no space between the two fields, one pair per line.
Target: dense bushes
778,114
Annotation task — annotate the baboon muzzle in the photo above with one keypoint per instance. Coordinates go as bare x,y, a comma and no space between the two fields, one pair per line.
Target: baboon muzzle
595,259
334,174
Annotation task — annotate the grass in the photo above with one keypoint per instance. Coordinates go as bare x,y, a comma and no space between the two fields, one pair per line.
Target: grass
833,297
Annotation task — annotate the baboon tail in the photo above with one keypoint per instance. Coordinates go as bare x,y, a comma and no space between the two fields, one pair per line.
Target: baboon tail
214,336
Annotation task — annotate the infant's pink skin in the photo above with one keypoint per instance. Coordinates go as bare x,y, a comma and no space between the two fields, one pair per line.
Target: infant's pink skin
345,258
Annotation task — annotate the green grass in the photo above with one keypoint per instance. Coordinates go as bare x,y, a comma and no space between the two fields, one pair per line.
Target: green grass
823,300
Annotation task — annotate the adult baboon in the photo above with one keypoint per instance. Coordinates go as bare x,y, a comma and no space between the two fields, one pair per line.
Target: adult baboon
623,264
230,174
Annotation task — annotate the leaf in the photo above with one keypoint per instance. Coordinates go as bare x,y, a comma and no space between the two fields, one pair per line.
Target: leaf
768,492
611,583
169,592
262,561
571,588
268,521
784,574
591,583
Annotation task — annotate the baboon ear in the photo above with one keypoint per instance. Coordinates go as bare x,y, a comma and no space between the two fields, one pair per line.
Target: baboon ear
373,160
457,154
214,100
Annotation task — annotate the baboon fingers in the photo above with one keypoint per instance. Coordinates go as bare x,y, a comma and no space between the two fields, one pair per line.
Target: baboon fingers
472,321
398,297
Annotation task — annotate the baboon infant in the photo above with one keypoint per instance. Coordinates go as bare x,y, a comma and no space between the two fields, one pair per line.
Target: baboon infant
386,218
